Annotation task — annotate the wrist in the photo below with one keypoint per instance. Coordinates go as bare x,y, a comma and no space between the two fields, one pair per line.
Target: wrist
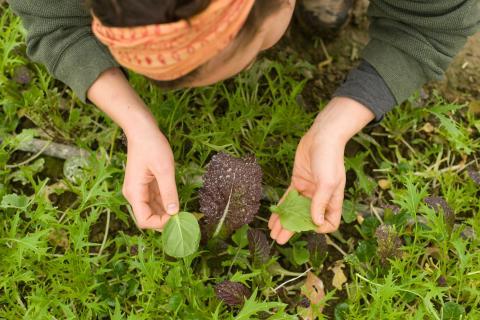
112,93
342,119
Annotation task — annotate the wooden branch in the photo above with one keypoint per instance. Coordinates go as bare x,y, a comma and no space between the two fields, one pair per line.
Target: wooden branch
52,149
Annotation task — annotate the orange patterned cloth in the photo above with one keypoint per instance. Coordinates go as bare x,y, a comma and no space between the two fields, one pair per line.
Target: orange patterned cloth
172,50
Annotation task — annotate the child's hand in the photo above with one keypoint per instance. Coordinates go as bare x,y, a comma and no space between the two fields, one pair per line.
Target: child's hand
149,184
319,171
150,175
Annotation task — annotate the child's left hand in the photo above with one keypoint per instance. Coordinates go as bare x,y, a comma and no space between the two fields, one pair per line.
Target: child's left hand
319,170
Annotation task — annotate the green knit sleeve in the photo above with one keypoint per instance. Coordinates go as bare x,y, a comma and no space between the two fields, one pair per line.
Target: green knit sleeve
60,37
412,42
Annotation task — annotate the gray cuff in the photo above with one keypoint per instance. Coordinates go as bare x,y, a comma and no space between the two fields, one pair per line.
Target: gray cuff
366,86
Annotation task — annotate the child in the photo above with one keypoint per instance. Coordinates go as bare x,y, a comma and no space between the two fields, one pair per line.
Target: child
194,43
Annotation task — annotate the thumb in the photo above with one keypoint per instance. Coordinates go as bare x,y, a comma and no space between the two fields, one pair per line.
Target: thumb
168,189
319,204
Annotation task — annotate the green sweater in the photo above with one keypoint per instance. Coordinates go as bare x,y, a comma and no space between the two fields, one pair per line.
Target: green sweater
412,41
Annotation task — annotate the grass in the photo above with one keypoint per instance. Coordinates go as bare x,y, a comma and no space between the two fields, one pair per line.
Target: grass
69,249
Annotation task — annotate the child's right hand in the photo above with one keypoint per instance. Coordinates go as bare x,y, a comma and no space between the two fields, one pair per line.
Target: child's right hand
149,184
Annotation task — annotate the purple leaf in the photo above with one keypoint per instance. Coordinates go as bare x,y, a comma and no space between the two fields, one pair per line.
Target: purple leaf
389,243
22,75
258,246
474,175
318,248
438,202
395,209
232,293
232,190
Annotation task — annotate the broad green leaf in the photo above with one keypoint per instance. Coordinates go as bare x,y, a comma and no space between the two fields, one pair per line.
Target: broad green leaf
181,236
294,213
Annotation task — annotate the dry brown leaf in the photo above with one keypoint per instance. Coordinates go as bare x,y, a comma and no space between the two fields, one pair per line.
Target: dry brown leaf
360,219
474,107
314,290
339,277
385,184
428,127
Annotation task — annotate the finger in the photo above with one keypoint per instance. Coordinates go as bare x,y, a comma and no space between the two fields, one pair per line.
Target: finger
144,216
277,227
303,186
155,198
320,202
157,208
273,218
163,221
284,236
333,214
168,189
138,195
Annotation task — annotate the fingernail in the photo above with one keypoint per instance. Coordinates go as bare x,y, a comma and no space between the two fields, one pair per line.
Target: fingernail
172,209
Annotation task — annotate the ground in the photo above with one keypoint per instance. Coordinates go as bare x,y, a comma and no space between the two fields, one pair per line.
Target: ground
407,247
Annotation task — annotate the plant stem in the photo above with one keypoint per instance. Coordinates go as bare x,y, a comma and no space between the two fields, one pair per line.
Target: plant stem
293,279
222,220
107,226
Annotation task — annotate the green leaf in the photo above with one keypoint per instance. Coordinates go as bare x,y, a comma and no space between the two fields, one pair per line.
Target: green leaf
252,307
243,277
294,213
357,164
348,213
366,250
341,311
181,236
301,254
14,201
452,310
240,237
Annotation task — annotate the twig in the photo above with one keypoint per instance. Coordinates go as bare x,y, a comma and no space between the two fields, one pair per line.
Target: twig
336,246
105,236
408,145
293,279
35,156
375,212
328,59
51,149
456,168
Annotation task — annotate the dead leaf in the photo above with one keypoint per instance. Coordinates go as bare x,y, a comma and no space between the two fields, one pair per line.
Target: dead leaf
339,277
428,127
474,107
59,238
384,184
360,219
314,290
